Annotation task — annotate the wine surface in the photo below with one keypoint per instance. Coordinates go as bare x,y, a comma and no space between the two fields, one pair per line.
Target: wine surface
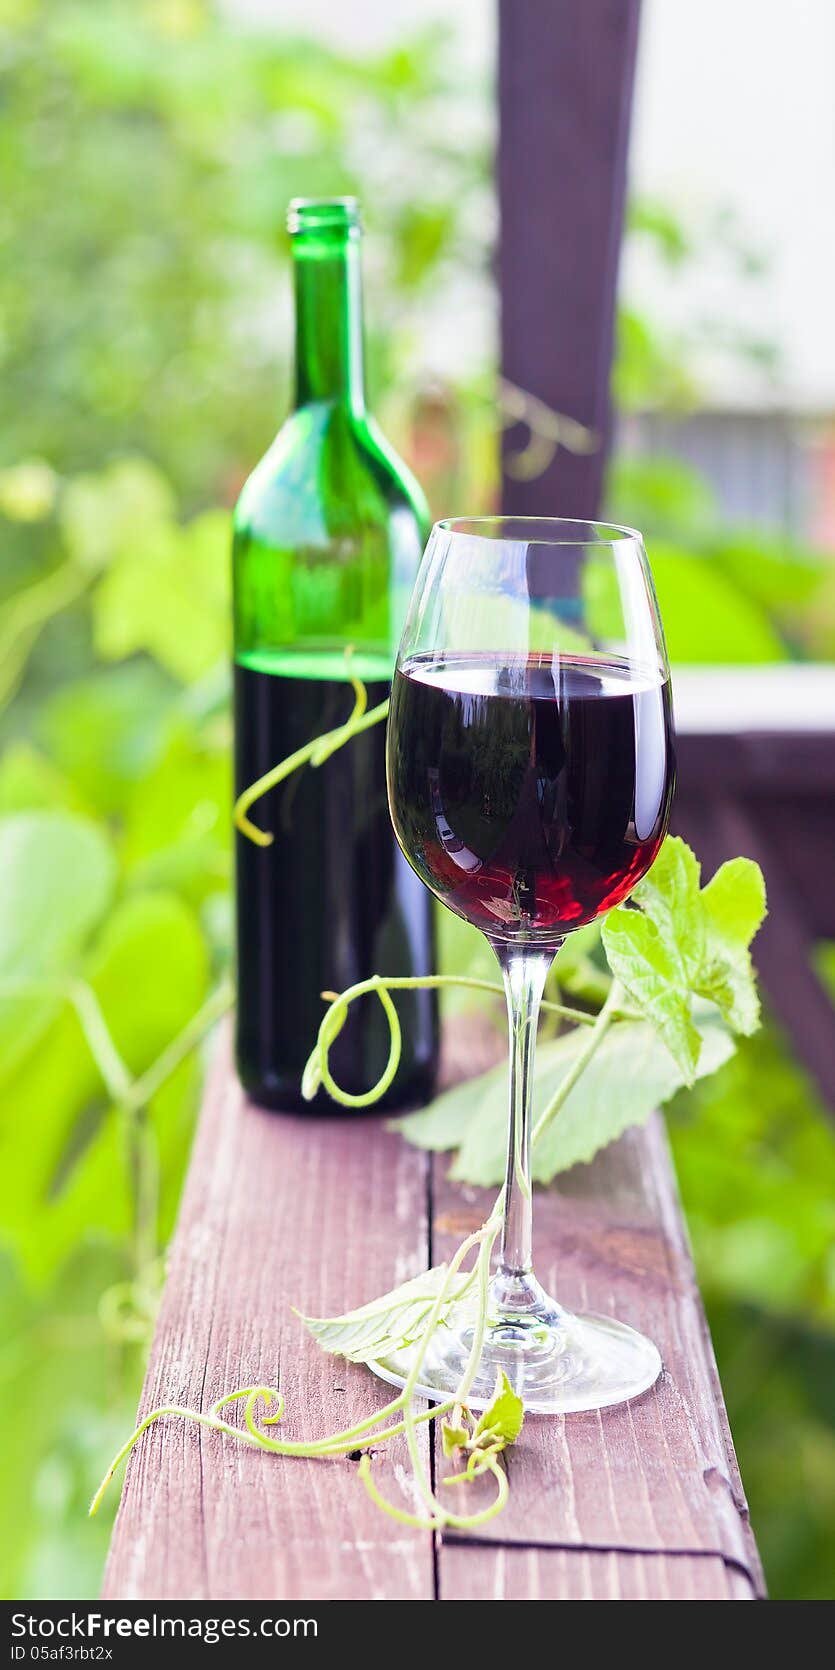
330,902
530,795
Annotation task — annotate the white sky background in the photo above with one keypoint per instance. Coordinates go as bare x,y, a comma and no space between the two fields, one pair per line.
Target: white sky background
735,110
736,107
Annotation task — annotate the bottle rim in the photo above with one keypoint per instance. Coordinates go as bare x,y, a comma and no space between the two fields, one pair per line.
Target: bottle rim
323,214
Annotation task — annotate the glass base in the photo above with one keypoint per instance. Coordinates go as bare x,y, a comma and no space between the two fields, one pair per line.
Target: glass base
559,1363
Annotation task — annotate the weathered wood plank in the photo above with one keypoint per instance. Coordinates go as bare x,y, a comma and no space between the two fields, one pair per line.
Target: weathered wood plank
642,1502
587,1574
320,1213
655,1474
565,96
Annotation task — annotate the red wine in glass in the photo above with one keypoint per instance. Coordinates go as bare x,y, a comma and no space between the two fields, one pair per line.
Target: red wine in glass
530,793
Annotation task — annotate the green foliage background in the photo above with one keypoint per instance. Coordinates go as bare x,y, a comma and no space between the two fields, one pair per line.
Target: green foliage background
147,153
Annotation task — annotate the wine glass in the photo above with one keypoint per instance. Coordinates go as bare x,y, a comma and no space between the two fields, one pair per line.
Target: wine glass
530,774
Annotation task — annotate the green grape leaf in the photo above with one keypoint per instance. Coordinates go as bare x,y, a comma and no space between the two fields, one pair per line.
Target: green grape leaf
734,907
684,942
734,900
394,1320
502,1420
669,895
443,1123
649,966
630,1074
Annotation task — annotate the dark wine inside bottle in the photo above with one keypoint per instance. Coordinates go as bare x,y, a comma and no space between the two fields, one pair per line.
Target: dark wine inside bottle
332,900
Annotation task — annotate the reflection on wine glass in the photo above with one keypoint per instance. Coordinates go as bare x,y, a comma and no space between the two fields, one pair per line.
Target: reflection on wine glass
530,775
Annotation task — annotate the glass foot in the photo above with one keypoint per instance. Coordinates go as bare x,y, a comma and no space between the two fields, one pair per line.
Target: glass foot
559,1363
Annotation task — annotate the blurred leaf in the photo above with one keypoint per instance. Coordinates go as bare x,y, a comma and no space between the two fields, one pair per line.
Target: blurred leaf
149,972
423,235
170,596
661,496
648,372
58,875
819,624
53,1342
824,959
706,619
107,731
29,781
177,820
778,1378
101,514
657,222
778,576
755,1157
27,491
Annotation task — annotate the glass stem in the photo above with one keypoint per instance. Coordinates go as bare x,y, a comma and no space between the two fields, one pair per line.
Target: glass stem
524,969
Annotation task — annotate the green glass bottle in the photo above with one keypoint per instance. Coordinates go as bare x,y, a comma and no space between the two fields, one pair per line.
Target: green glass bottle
329,530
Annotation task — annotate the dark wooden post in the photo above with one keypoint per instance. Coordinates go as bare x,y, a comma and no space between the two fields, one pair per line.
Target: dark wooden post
566,70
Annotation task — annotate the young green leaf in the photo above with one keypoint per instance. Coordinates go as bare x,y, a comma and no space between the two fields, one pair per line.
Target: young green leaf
454,1438
649,965
657,952
734,901
387,1323
502,1422
734,907
669,896
685,942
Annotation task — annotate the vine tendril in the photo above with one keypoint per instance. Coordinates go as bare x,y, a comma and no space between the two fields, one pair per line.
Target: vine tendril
314,753
317,1070
373,1429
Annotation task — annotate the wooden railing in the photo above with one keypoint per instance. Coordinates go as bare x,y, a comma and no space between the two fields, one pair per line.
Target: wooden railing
639,1502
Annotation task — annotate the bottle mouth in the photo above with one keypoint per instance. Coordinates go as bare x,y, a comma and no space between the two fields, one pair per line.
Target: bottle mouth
323,214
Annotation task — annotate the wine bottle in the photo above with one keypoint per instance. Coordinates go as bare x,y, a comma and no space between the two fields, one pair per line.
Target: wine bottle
329,529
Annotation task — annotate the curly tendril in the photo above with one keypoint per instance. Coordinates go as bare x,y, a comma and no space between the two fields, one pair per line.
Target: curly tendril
314,753
317,1069
397,1419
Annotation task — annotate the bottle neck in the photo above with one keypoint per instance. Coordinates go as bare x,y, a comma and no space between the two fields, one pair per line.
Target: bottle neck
329,359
